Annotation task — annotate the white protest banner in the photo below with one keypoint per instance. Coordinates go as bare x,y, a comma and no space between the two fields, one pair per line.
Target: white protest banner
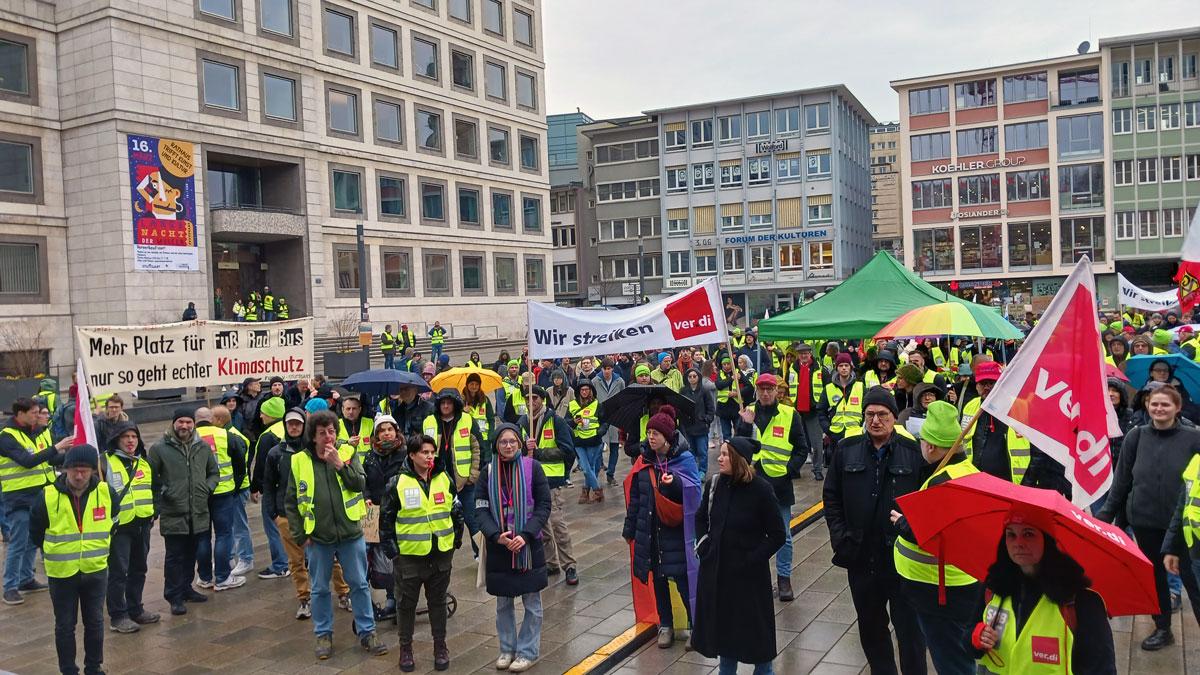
693,317
193,353
1132,296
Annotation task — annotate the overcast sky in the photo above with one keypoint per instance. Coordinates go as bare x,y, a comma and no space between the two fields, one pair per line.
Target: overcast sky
612,58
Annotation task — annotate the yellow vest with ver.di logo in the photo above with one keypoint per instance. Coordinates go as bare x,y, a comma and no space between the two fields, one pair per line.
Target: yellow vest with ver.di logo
776,446
460,443
218,440
138,500
71,548
847,416
424,517
1043,644
546,440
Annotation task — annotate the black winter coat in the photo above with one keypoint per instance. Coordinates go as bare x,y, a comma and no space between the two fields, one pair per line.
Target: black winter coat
1149,475
704,401
501,579
277,473
382,468
735,612
657,547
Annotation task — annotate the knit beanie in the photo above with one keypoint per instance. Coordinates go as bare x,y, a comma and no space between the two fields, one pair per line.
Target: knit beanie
746,447
909,373
663,422
941,426
514,363
1162,337
82,455
642,369
181,413
663,355
880,396
843,358
316,405
273,408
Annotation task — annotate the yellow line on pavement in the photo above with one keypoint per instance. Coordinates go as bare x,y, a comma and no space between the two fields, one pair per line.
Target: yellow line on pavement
808,513
606,651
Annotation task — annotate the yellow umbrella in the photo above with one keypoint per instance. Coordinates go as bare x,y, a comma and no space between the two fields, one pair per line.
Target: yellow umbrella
489,381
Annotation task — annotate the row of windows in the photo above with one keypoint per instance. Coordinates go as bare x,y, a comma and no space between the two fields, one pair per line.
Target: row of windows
1074,87
761,259
1079,186
1166,117
1144,72
1149,170
757,126
757,171
392,191
1077,135
1149,224
627,152
1029,246
437,272
222,89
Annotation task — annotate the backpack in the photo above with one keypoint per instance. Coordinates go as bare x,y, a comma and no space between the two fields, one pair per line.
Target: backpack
63,422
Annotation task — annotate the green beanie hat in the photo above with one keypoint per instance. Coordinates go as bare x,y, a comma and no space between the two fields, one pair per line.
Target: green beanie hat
1115,327
514,363
272,407
909,373
941,426
642,369
1162,337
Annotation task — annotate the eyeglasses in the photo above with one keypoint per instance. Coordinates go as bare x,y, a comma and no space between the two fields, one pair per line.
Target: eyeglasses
877,415
508,441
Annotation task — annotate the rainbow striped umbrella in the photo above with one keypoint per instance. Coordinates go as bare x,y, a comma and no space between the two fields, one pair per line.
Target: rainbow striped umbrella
951,318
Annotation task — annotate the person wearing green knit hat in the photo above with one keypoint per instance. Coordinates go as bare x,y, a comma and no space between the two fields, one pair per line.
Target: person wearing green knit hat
1116,326
642,374
943,596
1162,340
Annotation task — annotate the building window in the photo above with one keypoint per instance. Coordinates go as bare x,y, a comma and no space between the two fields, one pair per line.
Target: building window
427,4
523,28
1120,79
626,152
980,247
275,16
1166,68
347,191
732,223
930,146
706,261
702,176
565,278
433,201
1147,224
820,213
1029,246
437,272
1123,172
702,133
816,117
762,258
429,130
468,206
1191,114
221,85
761,221
791,257
934,250
676,136
462,69
820,256
425,58
927,101
506,274
343,111
932,194
677,226
397,272
1169,116
730,128
1080,135
493,16
1189,67
461,10
385,46
466,139
16,168
564,237
759,170
677,179
627,190
758,124
1172,169
531,214
980,141
1079,237
978,94
1125,225
388,122
498,145
1122,121
15,71
346,260
472,273
1079,86
279,97
494,81
974,190
1024,136
20,270
819,164
789,167
679,263
392,196
339,32
529,152
787,121
1141,71
1193,167
535,274
1147,170
1026,87
731,174
1172,222
1081,186
1145,118
222,9
526,90
501,210
733,260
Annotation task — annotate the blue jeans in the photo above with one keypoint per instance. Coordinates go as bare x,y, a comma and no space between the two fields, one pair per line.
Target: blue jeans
18,561
1175,583
243,545
947,640
699,445
222,509
726,428
279,559
435,353
783,558
728,666
614,449
527,643
389,359
352,554
466,498
590,458
3,519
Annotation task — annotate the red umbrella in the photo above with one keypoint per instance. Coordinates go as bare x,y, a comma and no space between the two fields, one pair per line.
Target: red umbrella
1112,371
962,521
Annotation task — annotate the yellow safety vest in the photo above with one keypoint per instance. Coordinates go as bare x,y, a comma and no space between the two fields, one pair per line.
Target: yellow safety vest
871,379
518,400
387,342
546,440
366,427
847,410
1018,445
723,395
43,440
218,439
776,446
268,303
51,398
424,517
480,415
461,443
302,477
915,563
70,548
586,423
283,309
13,476
939,358
138,500
251,311
246,442
437,337
1191,508
1043,645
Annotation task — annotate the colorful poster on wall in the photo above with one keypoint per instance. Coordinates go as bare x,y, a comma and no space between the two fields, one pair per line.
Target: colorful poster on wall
163,196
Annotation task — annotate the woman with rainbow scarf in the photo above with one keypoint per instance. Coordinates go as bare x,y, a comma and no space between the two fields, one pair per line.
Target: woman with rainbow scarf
512,503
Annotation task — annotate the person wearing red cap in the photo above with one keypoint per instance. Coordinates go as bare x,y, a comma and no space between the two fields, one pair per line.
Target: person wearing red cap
1189,344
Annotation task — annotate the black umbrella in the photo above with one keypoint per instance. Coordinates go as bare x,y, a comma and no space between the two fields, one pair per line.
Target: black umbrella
383,381
625,409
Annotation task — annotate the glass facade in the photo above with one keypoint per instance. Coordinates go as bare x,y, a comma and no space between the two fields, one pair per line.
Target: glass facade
562,146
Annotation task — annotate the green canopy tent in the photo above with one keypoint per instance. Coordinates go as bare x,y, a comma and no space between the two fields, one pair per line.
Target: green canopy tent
859,307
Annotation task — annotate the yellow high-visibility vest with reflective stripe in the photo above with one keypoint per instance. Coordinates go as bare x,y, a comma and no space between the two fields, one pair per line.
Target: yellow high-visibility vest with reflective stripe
387,342
366,427
268,303
70,548
480,415
302,477
138,501
461,443
586,424
13,476
1017,445
871,379
437,337
424,517
51,398
1191,508
1043,645
218,439
246,442
775,441
547,440
847,414
915,563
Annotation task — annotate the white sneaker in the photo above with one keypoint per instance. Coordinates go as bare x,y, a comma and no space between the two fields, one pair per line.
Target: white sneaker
204,584
241,568
230,583
521,664
504,661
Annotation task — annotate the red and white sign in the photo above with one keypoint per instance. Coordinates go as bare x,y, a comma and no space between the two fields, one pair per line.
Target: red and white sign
85,426
1054,392
1188,276
693,317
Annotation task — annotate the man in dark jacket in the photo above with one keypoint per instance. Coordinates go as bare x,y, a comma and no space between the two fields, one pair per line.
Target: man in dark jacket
551,444
868,473
106,422
249,398
760,358
704,402
779,461
184,473
408,409
806,382
128,472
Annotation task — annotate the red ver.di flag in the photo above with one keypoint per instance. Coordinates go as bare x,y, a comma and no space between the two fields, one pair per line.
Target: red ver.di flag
163,199
1054,392
1188,276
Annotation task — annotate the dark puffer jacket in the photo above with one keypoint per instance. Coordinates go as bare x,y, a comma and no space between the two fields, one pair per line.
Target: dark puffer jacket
656,547
381,469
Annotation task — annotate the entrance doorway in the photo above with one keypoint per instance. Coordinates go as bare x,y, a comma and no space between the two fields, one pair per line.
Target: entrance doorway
237,270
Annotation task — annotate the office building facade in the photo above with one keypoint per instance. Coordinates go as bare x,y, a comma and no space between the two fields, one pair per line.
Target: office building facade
568,208
886,231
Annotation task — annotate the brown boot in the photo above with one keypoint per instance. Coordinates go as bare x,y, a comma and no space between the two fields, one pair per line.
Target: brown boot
584,496
598,496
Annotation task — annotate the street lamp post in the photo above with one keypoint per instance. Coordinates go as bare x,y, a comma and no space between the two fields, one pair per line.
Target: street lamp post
364,315
641,270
